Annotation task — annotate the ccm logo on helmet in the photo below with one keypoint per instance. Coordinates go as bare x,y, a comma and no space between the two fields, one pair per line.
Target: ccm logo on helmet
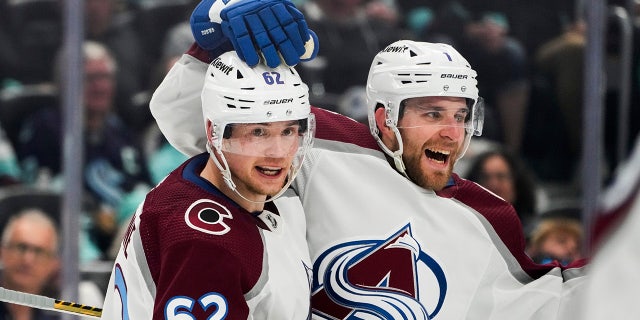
453,76
278,101
221,66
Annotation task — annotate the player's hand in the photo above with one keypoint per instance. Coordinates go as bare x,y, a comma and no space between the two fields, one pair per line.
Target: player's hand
271,26
272,29
207,30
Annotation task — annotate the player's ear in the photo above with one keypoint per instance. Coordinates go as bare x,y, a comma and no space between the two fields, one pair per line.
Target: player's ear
381,121
209,129
386,133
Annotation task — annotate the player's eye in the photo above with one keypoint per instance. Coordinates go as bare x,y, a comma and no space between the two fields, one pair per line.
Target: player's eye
435,115
461,116
290,131
258,132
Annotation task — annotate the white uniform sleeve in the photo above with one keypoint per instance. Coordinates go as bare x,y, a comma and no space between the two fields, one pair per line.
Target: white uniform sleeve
613,287
173,104
131,291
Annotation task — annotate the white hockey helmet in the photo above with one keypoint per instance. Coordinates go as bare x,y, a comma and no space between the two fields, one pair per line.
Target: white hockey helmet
408,69
235,93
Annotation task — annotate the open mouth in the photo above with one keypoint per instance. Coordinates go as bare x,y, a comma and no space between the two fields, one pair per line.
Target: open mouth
269,171
439,156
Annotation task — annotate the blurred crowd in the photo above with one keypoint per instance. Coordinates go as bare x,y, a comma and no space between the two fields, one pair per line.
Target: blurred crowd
528,55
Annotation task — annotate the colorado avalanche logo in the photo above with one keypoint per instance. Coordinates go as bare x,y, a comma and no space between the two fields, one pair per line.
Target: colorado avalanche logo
377,279
208,216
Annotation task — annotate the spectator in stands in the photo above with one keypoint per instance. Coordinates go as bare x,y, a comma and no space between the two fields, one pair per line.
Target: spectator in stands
114,165
506,175
161,156
30,260
560,64
502,64
116,30
557,236
29,32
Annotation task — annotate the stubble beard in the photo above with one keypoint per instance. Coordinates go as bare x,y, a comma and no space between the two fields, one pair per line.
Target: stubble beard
256,187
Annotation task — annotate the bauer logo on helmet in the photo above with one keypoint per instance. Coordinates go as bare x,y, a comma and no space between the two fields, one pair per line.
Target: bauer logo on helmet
279,101
453,76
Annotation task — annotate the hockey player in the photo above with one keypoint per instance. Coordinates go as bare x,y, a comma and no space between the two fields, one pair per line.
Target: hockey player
222,236
440,247
392,232
613,286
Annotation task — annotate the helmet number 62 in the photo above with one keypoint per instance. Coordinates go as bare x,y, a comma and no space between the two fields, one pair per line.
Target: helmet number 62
272,77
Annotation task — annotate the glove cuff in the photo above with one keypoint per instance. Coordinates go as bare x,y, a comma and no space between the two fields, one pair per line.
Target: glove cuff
207,56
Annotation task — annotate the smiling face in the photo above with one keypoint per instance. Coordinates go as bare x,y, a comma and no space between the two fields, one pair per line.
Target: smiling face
258,177
260,155
433,131
259,158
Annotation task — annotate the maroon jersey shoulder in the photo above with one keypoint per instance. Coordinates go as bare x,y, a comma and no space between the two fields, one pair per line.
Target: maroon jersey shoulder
337,127
502,217
192,239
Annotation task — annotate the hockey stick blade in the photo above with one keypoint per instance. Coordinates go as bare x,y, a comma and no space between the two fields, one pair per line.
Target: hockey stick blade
46,303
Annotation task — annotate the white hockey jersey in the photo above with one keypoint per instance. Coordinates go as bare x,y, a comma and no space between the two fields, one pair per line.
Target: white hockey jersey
192,253
387,248
382,247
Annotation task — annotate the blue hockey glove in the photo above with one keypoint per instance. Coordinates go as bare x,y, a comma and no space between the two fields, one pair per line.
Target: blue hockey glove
271,26
273,29
207,30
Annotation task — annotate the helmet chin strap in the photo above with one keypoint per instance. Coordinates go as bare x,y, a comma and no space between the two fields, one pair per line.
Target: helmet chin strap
224,170
395,155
